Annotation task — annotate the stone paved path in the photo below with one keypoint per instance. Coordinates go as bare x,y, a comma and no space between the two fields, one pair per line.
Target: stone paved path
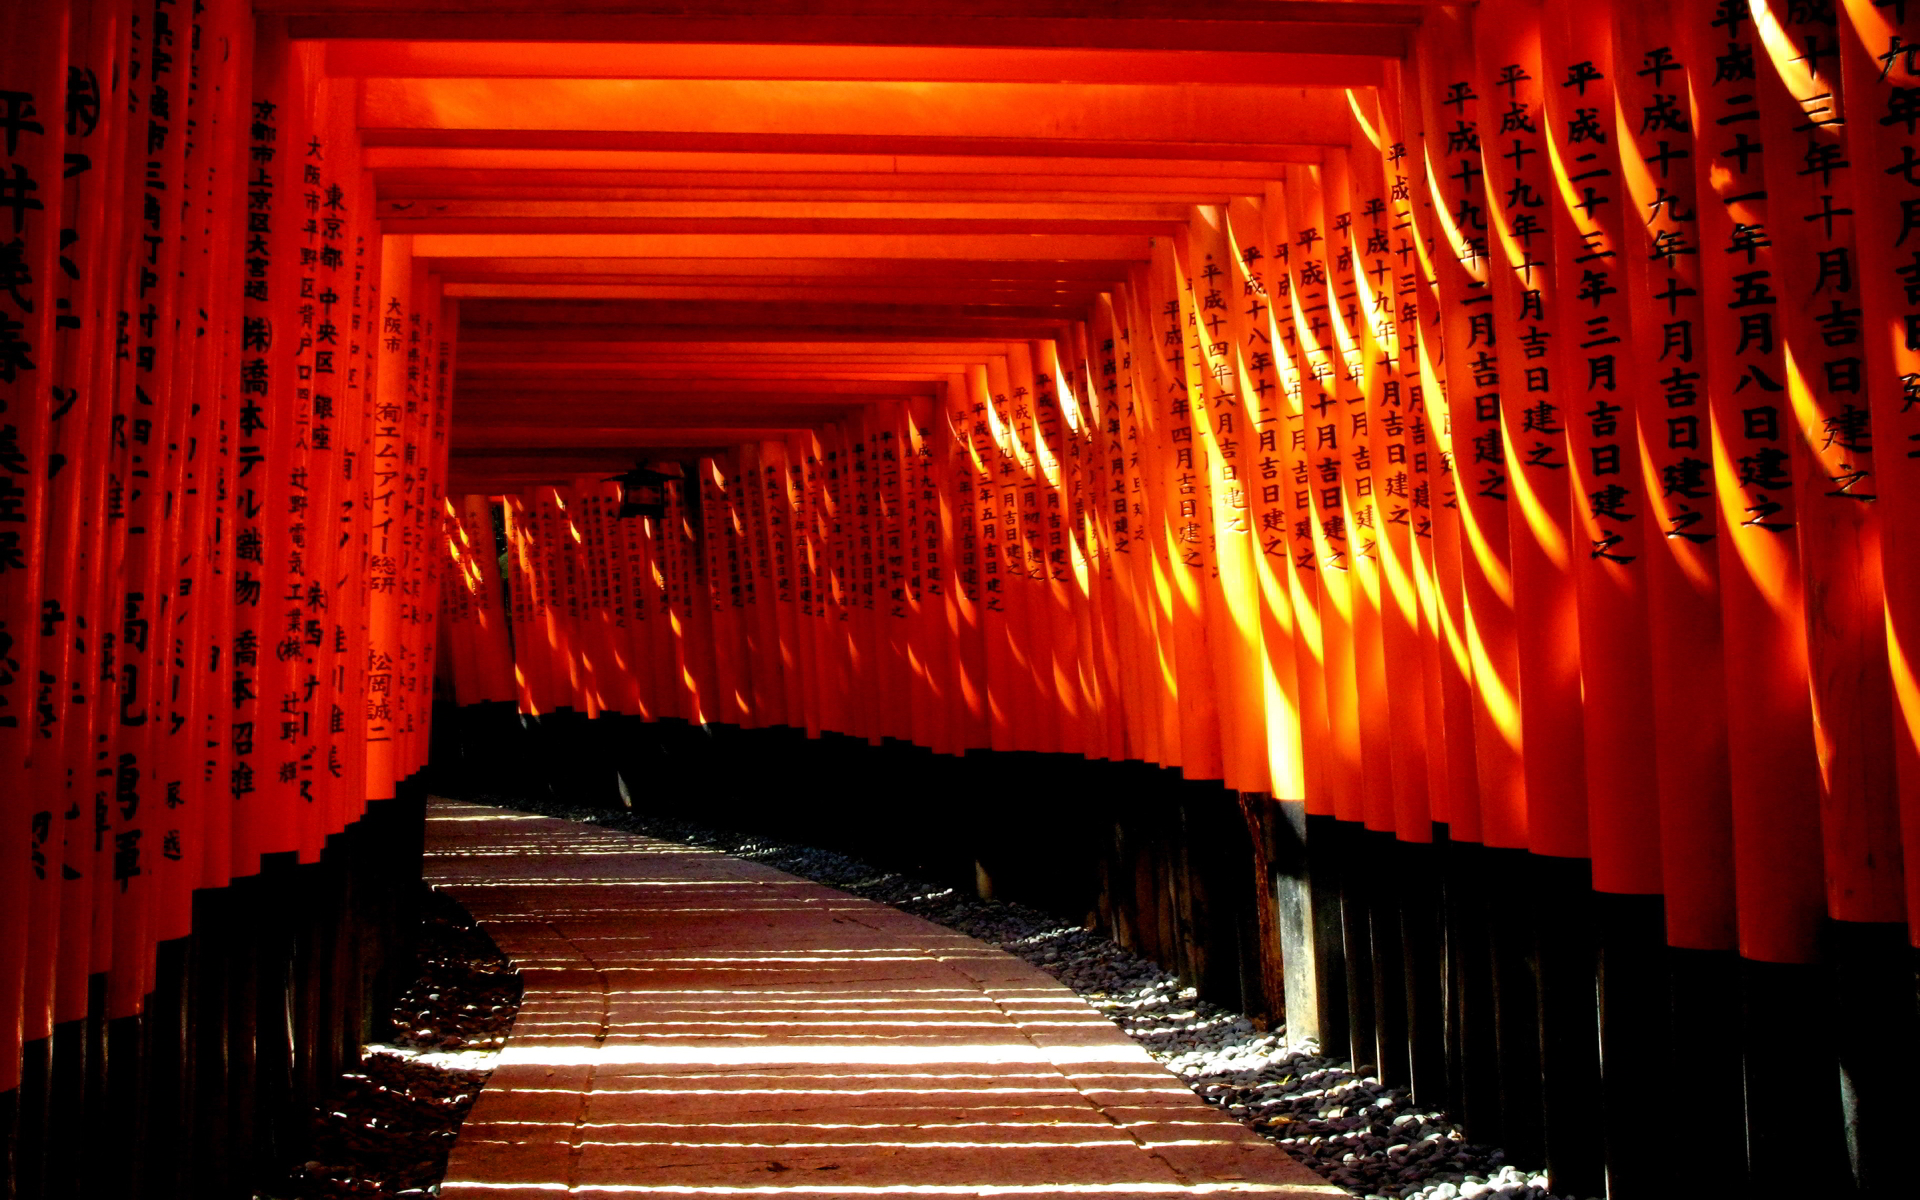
698,1025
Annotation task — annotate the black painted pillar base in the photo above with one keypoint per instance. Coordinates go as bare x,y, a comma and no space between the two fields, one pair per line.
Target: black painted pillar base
1792,1076
1357,897
1568,965
1877,1040
9,1143
1423,950
210,980
1382,859
126,1063
1510,905
93,1170
1307,925
168,1081
66,1125
1704,1011
1472,1032
1329,933
32,1126
1636,1044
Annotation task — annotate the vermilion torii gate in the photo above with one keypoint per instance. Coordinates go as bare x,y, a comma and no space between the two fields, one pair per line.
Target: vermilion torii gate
1483,438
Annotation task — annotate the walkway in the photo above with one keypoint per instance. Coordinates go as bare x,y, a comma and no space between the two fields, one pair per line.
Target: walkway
698,1025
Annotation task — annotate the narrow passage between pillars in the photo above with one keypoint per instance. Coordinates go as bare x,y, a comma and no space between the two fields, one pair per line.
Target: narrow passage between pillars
1427,493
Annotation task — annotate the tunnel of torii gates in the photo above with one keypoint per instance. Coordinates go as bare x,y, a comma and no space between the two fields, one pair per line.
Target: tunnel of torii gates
1483,443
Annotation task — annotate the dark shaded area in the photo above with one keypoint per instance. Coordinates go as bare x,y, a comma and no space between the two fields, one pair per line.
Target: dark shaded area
207,1093
387,1124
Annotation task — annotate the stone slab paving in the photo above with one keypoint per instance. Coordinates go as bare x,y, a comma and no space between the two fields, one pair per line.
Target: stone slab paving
698,1025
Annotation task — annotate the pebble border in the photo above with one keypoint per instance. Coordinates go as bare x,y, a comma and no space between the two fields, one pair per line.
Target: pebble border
385,1130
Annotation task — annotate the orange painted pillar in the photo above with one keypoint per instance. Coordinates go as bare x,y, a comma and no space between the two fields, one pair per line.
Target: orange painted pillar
1286,498
1323,465
1836,471
1877,80
1534,411
1415,481
1775,772
387,514
1687,677
32,64
1600,380
1217,397
1185,496
1379,444
1454,113
1143,340
969,552
1049,553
